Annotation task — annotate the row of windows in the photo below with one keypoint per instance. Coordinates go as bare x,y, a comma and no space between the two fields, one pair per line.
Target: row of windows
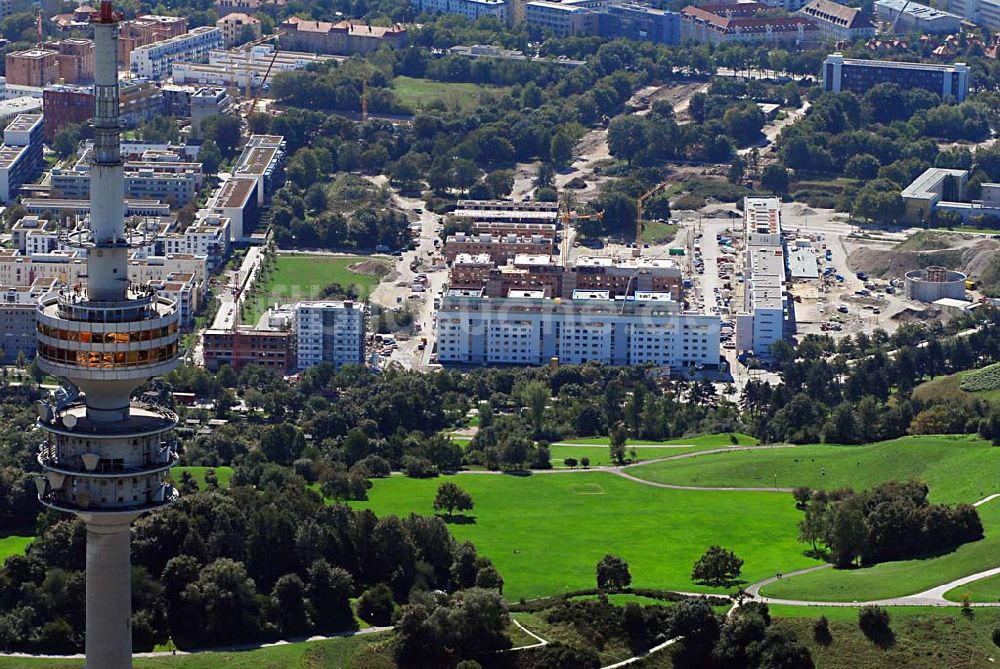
107,337
120,359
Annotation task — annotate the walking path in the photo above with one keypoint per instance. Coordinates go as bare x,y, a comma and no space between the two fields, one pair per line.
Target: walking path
620,470
220,649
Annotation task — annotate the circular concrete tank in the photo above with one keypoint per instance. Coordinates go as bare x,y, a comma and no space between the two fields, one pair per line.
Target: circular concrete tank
934,283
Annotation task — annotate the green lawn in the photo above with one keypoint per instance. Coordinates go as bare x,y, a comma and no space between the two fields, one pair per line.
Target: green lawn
418,93
925,638
222,473
13,544
368,651
985,590
953,467
601,455
895,579
298,277
658,232
546,532
710,440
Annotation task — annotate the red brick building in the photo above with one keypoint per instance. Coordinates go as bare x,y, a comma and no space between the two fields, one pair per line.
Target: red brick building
270,349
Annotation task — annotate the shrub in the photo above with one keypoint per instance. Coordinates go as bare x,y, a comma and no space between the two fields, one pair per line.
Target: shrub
569,462
418,468
584,462
874,621
987,378
688,201
996,636
375,605
821,631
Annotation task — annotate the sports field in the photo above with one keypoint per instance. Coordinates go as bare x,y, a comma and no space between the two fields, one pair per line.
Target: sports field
952,466
299,277
546,532
418,93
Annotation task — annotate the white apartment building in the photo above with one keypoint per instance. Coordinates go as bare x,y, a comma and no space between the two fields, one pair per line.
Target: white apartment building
329,332
526,328
183,289
34,235
237,68
20,155
154,61
762,322
471,9
208,236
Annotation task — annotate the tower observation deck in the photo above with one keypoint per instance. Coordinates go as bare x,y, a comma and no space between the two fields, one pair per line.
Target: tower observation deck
105,457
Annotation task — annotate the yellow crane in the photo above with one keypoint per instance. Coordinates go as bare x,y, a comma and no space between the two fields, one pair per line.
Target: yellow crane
639,202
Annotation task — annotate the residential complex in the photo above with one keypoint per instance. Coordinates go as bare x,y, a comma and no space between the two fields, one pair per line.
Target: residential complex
147,29
263,159
156,177
470,9
344,38
500,248
242,68
838,22
20,155
563,19
138,102
859,75
985,13
154,61
640,23
765,308
270,349
907,16
237,26
528,328
719,24
329,332
237,200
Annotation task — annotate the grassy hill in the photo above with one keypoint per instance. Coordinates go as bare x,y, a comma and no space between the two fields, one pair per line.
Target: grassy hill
546,532
967,387
951,465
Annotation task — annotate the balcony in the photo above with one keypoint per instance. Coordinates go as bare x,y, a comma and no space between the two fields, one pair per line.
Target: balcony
144,419
48,458
60,501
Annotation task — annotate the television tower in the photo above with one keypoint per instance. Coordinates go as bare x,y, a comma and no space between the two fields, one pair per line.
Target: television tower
105,457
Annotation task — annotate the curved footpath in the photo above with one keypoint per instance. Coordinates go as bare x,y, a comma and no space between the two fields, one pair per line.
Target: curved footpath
932,597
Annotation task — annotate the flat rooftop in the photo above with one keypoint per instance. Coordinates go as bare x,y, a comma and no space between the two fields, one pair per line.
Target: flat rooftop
256,160
235,193
922,188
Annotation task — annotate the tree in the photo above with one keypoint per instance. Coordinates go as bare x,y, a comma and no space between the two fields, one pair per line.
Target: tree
561,148
874,622
862,167
626,137
535,396
613,573
500,183
450,497
224,130
774,178
66,139
718,567
210,156
618,437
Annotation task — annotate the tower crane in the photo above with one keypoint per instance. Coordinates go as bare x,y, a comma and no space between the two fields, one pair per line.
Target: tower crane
639,202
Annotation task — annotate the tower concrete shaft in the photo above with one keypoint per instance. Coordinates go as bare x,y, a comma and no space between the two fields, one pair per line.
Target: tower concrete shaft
106,457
